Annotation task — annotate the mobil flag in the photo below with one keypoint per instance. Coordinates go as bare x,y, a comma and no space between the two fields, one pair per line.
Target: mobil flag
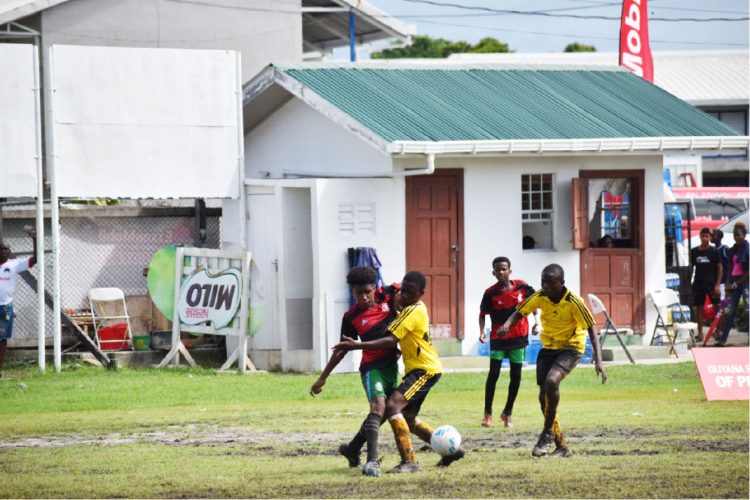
635,50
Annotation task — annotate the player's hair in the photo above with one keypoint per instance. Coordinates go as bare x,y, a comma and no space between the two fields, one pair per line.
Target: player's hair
718,233
362,275
705,230
500,259
417,278
554,269
741,226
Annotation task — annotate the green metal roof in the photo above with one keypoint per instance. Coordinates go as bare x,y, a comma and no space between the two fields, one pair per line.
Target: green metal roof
405,104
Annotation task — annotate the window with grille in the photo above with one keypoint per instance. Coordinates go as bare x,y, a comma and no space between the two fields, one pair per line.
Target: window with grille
537,211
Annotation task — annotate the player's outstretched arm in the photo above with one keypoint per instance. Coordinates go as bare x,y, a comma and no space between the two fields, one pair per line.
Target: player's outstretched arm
336,358
32,234
373,345
509,323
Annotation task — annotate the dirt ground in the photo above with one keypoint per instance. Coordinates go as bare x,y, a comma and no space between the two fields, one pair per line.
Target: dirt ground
301,443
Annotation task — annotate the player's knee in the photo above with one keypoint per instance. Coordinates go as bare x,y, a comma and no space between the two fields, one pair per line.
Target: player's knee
377,405
551,384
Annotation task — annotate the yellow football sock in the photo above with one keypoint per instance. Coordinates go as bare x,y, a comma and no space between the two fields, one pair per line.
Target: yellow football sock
423,431
559,436
403,437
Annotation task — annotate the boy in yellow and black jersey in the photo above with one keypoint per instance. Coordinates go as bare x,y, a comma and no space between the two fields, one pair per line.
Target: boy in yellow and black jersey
410,330
565,321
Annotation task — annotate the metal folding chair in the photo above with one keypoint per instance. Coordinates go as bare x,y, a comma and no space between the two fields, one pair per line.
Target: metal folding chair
663,300
110,317
597,307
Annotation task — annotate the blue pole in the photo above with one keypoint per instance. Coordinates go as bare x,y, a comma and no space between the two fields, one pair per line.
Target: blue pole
352,37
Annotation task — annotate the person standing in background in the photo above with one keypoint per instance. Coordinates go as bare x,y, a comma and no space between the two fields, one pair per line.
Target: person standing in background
706,262
737,280
500,301
9,270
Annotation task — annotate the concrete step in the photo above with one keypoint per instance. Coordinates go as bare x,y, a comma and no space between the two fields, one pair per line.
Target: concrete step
465,362
449,347
616,354
638,352
204,357
611,340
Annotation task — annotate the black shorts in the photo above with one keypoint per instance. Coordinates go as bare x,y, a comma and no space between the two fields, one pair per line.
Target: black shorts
563,359
414,387
700,290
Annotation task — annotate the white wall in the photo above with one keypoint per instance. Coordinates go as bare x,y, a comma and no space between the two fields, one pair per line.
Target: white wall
262,30
491,232
297,138
331,245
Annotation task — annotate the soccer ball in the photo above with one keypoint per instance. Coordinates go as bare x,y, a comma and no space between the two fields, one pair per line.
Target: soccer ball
445,440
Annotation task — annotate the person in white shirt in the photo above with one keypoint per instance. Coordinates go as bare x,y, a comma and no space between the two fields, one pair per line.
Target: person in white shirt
9,269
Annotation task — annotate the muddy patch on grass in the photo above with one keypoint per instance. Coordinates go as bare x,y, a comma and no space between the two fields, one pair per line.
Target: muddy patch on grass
595,442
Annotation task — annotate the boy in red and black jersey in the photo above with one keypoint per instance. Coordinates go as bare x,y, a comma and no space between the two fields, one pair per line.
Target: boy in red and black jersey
500,301
368,320
369,323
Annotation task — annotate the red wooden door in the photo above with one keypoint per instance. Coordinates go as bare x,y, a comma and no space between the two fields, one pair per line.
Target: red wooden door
434,246
615,275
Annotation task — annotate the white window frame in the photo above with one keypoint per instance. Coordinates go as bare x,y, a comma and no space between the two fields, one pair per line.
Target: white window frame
550,213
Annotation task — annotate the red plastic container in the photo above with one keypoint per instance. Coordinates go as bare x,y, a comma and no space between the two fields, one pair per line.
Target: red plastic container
114,337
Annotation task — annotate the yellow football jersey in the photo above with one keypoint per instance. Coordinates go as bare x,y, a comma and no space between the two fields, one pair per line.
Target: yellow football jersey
564,324
412,328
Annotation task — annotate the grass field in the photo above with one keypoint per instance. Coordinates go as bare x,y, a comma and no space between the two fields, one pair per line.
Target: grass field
88,432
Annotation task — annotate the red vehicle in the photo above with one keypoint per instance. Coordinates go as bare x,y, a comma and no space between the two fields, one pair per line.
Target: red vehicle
712,206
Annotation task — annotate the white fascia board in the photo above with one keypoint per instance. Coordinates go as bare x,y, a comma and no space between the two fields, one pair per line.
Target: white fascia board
707,103
330,111
258,84
380,18
564,146
17,9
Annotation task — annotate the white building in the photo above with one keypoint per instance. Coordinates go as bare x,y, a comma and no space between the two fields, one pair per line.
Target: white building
441,169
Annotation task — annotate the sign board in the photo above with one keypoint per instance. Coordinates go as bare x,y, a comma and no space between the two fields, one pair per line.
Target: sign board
724,372
145,123
18,114
214,292
207,298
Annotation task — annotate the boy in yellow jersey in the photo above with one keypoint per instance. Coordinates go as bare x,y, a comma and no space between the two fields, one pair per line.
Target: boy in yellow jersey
410,330
565,320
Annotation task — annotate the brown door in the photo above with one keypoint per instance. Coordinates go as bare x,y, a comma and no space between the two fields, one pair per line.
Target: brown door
612,273
434,239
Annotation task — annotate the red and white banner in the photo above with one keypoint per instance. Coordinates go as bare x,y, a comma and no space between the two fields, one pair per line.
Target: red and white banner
724,372
635,50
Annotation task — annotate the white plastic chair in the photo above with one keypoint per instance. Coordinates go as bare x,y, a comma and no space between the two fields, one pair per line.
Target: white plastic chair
597,307
108,313
663,299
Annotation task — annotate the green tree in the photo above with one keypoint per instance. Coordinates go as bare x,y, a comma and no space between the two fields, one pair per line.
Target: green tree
423,46
490,45
579,47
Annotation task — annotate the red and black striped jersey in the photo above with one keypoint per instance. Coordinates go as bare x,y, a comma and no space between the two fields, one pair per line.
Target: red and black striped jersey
500,305
371,323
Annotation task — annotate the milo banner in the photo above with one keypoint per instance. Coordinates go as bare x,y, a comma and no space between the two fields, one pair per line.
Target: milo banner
207,298
208,291
635,48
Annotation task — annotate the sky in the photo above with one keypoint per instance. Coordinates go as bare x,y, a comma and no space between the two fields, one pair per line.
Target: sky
537,33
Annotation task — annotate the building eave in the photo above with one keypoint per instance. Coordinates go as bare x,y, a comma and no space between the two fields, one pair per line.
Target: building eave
638,145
